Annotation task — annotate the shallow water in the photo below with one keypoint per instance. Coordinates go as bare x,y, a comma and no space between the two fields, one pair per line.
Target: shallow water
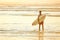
24,23
14,27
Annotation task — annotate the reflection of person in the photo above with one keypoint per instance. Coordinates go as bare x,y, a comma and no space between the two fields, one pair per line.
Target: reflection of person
39,20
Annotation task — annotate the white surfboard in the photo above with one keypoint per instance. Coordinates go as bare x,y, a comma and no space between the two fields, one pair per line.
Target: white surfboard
41,19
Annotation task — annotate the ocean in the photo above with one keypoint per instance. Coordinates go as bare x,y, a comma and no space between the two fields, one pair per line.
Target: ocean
18,27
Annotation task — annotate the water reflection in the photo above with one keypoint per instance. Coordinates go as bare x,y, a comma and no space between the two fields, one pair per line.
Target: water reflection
41,35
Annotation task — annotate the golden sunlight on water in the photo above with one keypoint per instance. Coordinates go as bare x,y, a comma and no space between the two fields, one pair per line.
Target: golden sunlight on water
20,28
20,23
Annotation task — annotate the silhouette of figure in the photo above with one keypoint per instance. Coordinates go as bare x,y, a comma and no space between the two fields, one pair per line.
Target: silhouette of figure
40,20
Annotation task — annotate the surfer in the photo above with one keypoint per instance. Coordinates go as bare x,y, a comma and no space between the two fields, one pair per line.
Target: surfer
39,20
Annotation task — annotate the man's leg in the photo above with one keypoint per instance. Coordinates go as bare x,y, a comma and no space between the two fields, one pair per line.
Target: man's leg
42,26
39,27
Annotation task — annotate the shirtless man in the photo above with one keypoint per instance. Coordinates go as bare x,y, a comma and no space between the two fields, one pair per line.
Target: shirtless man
40,21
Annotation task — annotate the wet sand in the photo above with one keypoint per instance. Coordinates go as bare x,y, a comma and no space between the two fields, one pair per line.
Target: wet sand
31,36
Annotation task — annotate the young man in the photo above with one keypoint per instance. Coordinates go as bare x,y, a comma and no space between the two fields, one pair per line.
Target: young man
40,21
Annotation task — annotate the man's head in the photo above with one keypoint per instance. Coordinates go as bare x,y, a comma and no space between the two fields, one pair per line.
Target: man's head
40,12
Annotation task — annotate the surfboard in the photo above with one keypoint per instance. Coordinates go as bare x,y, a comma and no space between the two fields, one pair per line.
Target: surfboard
41,19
